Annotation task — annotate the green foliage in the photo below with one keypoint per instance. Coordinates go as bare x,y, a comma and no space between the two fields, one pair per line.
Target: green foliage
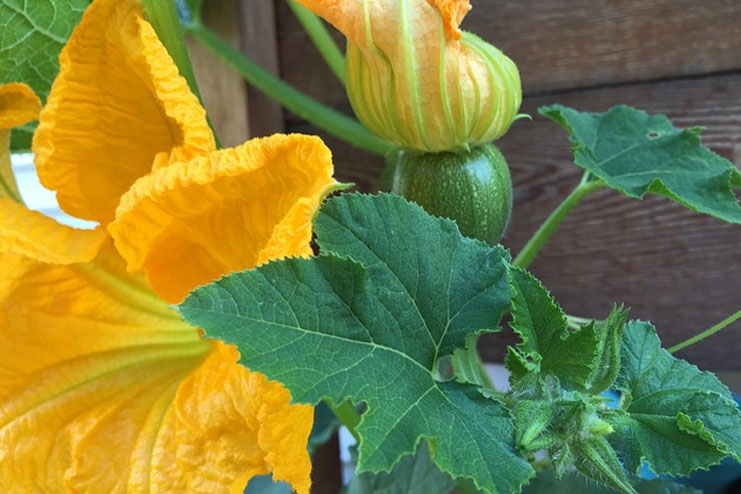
636,154
548,483
414,474
264,485
673,416
386,316
587,359
393,291
32,33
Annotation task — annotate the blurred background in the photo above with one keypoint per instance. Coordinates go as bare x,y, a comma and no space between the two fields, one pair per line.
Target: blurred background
677,57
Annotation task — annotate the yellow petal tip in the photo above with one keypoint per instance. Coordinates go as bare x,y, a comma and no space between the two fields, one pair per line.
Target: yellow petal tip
452,12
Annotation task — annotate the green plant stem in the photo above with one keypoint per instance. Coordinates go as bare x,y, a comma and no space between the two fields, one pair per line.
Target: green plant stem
319,34
707,333
530,251
471,366
164,18
335,123
349,417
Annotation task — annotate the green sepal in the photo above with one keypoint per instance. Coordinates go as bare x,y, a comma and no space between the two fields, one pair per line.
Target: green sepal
607,361
532,418
596,460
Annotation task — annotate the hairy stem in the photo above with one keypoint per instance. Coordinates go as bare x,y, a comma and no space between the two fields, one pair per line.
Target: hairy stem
319,34
530,251
707,333
322,116
349,417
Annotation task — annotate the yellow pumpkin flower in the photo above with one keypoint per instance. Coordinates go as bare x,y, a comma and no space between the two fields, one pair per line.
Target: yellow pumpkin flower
414,78
103,388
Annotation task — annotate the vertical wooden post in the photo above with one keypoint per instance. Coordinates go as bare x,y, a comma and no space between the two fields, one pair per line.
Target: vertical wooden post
222,89
260,43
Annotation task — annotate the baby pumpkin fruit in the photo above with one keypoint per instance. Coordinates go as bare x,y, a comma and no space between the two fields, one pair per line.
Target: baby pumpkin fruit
473,187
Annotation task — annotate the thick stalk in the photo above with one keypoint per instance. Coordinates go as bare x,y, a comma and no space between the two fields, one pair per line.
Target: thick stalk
707,333
349,417
335,123
530,251
163,16
319,34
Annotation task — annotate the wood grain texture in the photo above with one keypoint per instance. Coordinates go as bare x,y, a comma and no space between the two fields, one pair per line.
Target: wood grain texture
223,91
678,269
569,44
260,43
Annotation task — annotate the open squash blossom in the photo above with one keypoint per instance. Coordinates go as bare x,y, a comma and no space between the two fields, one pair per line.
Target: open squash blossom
103,388
414,78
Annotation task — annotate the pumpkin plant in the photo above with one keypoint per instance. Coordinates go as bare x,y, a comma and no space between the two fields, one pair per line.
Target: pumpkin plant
181,345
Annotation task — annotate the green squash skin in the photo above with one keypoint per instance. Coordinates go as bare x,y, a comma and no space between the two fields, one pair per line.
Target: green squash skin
474,188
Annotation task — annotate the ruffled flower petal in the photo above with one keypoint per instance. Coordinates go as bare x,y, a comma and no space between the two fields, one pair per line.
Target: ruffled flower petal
103,389
189,223
117,106
33,235
18,105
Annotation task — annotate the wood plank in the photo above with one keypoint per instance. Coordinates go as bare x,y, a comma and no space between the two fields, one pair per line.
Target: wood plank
223,91
673,267
578,43
260,43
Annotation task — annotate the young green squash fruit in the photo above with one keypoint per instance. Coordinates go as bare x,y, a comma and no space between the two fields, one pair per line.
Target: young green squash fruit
474,187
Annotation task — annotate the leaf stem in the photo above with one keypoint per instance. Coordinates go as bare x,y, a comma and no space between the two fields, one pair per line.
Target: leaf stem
319,34
707,333
322,116
349,417
531,249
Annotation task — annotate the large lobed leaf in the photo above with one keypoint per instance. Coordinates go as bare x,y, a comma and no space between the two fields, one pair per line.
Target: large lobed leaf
674,416
393,291
637,154
414,474
32,33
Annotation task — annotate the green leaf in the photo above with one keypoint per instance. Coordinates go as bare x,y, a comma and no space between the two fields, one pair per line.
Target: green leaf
573,483
547,345
596,460
393,291
414,474
637,154
32,33
673,416
264,485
